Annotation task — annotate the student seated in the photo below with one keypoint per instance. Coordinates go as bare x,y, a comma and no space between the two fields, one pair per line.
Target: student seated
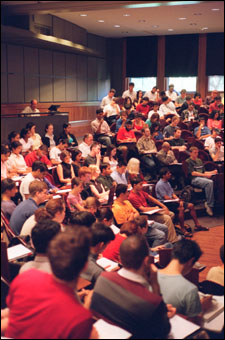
175,288
8,190
72,141
92,204
55,151
74,200
97,188
39,154
16,162
49,138
101,129
26,141
94,156
216,274
84,147
60,312
201,132
76,158
104,178
41,235
65,169
135,301
36,138
100,237
217,152
81,218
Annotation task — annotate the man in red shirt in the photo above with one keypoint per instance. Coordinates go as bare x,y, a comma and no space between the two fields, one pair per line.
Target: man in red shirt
215,105
127,141
45,306
144,108
38,155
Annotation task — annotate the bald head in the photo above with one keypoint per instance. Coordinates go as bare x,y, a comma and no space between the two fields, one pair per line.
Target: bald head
166,146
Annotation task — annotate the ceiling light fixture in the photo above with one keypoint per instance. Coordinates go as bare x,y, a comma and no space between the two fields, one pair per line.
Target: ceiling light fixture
193,24
170,29
83,15
215,9
126,15
101,20
204,28
116,26
182,18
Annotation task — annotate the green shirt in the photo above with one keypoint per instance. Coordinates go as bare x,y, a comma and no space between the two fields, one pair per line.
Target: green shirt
196,165
106,181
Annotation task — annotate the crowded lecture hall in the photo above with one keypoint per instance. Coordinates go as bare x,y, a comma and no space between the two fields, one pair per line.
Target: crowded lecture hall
112,170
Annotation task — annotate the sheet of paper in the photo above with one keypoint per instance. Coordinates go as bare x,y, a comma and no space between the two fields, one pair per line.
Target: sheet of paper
181,328
150,222
173,200
17,178
107,331
56,196
62,191
151,212
17,252
107,264
115,229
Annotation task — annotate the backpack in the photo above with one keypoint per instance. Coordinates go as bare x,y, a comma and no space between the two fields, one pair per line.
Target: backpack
187,194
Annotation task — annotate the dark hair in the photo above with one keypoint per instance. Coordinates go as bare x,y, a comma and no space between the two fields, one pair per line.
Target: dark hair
65,125
162,93
163,172
133,251
184,250
54,205
101,233
164,99
129,228
47,126
94,144
191,103
82,218
213,113
37,165
146,99
75,153
155,87
68,253
86,135
131,84
23,132
4,150
138,93
30,125
112,90
99,111
121,163
12,135
75,182
63,141
128,122
121,189
188,97
222,253
141,221
104,166
154,116
217,98
15,145
135,180
153,127
197,94
42,233
109,149
218,139
7,184
155,103
104,213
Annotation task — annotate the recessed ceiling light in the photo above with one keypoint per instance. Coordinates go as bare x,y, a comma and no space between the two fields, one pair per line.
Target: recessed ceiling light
126,15
193,24
182,18
204,28
142,20
83,15
155,26
170,29
215,9
116,26
101,20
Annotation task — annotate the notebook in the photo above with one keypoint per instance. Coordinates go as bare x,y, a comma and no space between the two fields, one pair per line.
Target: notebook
107,331
107,264
151,212
181,328
17,252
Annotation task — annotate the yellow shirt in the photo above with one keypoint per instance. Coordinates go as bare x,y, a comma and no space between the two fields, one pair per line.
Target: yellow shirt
216,274
122,211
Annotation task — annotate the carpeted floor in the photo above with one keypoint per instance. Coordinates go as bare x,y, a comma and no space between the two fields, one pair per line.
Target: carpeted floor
208,221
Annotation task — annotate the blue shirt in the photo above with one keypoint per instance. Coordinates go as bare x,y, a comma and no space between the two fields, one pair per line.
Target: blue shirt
22,212
204,131
119,179
163,189
118,124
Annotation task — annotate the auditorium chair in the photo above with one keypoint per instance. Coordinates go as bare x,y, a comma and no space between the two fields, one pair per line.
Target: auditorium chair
203,155
185,134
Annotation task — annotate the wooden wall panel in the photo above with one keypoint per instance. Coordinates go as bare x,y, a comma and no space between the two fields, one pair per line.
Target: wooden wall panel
4,79
15,74
46,76
59,72
82,78
31,70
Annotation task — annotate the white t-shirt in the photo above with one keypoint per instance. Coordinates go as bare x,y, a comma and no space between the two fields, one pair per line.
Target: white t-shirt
151,96
209,142
16,161
85,149
152,112
111,110
54,154
172,96
105,101
26,146
28,109
132,95
28,226
24,186
168,108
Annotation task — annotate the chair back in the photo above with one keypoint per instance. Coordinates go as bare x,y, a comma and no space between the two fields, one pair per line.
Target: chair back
193,276
182,125
210,287
113,127
203,109
138,134
204,115
185,134
203,155
183,155
210,166
165,255
185,168
198,144
55,177
176,153
158,144
111,196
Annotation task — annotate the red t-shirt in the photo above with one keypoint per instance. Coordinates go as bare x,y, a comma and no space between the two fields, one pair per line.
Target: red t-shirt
32,157
213,106
42,308
143,109
140,199
112,251
123,134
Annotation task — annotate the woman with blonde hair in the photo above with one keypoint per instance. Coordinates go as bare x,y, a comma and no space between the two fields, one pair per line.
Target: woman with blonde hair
97,189
53,210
